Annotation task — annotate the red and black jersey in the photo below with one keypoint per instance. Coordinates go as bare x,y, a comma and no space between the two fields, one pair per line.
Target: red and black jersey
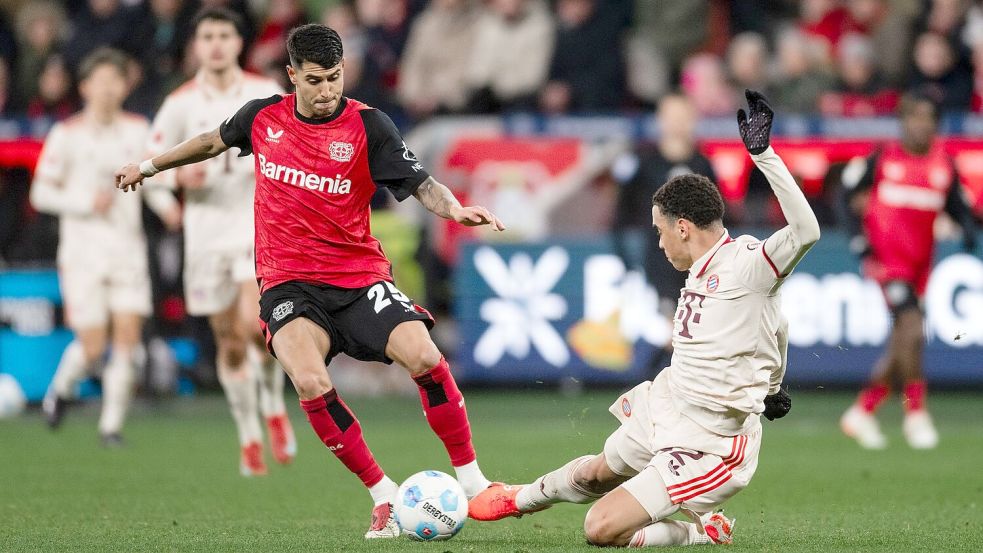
907,192
314,181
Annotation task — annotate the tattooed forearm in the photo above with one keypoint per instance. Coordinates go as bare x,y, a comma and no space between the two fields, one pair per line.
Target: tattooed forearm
437,198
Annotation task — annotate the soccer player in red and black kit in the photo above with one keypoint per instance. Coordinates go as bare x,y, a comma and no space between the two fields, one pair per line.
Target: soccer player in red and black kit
326,286
892,200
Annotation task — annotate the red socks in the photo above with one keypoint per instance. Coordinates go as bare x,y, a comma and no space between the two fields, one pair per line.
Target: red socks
914,395
444,408
339,430
872,396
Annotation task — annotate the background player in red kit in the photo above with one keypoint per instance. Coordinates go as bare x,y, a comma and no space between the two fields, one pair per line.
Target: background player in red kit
326,286
893,198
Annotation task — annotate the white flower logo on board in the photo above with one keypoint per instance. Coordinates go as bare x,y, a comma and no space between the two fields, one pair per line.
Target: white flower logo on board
341,151
520,317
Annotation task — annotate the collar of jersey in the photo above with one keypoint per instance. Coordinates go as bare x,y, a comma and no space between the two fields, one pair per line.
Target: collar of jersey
311,121
704,261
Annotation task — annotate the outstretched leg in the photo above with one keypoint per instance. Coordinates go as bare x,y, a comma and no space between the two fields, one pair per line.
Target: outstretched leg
443,404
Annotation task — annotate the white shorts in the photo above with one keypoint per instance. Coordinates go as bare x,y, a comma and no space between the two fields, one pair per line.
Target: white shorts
658,447
93,290
212,279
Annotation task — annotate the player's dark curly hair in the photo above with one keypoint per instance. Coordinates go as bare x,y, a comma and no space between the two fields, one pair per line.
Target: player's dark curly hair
692,197
218,13
315,43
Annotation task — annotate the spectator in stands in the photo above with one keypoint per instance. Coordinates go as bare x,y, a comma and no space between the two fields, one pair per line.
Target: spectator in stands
54,95
859,90
386,30
800,80
830,20
703,80
977,102
511,55
435,62
938,68
747,64
587,70
167,30
671,29
105,23
4,87
270,49
640,174
41,27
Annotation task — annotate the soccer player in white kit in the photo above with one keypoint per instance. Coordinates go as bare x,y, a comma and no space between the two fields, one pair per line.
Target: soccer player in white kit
219,273
689,439
102,251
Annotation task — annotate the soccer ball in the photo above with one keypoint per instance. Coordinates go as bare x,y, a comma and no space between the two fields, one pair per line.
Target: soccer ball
430,506
12,400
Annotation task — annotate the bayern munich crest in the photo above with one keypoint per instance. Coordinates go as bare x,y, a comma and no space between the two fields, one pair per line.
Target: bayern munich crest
626,407
712,283
341,151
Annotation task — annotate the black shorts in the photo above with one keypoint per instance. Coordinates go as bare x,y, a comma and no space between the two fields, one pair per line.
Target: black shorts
358,320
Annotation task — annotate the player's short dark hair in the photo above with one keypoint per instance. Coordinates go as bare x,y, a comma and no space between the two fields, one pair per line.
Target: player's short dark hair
315,43
692,197
921,95
218,13
103,56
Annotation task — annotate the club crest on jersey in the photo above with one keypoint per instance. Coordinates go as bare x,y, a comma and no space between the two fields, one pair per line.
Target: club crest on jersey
626,407
712,283
282,310
341,151
273,137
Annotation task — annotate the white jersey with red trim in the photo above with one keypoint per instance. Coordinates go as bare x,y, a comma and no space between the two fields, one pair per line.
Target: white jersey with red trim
729,334
219,216
77,164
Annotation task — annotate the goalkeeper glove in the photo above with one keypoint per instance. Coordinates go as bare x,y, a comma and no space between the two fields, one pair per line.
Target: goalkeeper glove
777,405
755,127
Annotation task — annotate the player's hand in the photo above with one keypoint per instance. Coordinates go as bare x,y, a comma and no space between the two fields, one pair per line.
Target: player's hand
191,177
103,201
755,127
128,177
777,405
475,216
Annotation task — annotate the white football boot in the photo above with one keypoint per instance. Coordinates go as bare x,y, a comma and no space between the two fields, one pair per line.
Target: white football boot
919,430
863,427
383,523
718,528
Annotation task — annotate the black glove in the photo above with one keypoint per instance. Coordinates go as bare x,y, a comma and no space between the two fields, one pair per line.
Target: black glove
756,127
777,405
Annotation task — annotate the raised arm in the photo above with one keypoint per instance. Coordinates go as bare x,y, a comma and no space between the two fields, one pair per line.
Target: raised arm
439,200
786,247
204,146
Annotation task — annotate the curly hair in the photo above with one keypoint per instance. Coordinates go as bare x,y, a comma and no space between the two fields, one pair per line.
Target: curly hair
692,197
315,43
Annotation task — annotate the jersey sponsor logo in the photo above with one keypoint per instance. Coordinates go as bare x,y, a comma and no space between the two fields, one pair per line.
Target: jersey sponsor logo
296,177
712,283
753,246
407,154
341,151
282,310
896,194
273,137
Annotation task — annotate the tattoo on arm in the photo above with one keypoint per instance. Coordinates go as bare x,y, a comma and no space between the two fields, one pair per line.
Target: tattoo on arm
204,146
436,197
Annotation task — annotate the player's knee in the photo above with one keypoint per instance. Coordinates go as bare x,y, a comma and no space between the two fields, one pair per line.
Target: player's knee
422,358
601,528
310,385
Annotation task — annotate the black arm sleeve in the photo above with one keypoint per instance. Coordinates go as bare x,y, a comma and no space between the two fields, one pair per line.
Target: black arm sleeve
236,131
958,208
391,162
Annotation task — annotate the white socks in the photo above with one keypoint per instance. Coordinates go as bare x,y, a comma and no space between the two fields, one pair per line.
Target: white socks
241,393
117,389
555,487
71,369
384,491
668,532
471,479
270,378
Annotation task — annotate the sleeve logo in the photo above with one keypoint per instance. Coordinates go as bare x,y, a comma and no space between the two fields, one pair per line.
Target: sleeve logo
341,151
283,310
273,137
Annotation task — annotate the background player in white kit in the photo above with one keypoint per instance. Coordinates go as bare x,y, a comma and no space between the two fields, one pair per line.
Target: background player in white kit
102,251
689,439
219,272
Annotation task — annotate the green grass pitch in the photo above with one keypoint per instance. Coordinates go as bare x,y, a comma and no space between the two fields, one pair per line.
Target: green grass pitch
177,488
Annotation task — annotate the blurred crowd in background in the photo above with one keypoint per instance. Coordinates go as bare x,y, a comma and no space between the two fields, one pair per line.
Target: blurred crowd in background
418,58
